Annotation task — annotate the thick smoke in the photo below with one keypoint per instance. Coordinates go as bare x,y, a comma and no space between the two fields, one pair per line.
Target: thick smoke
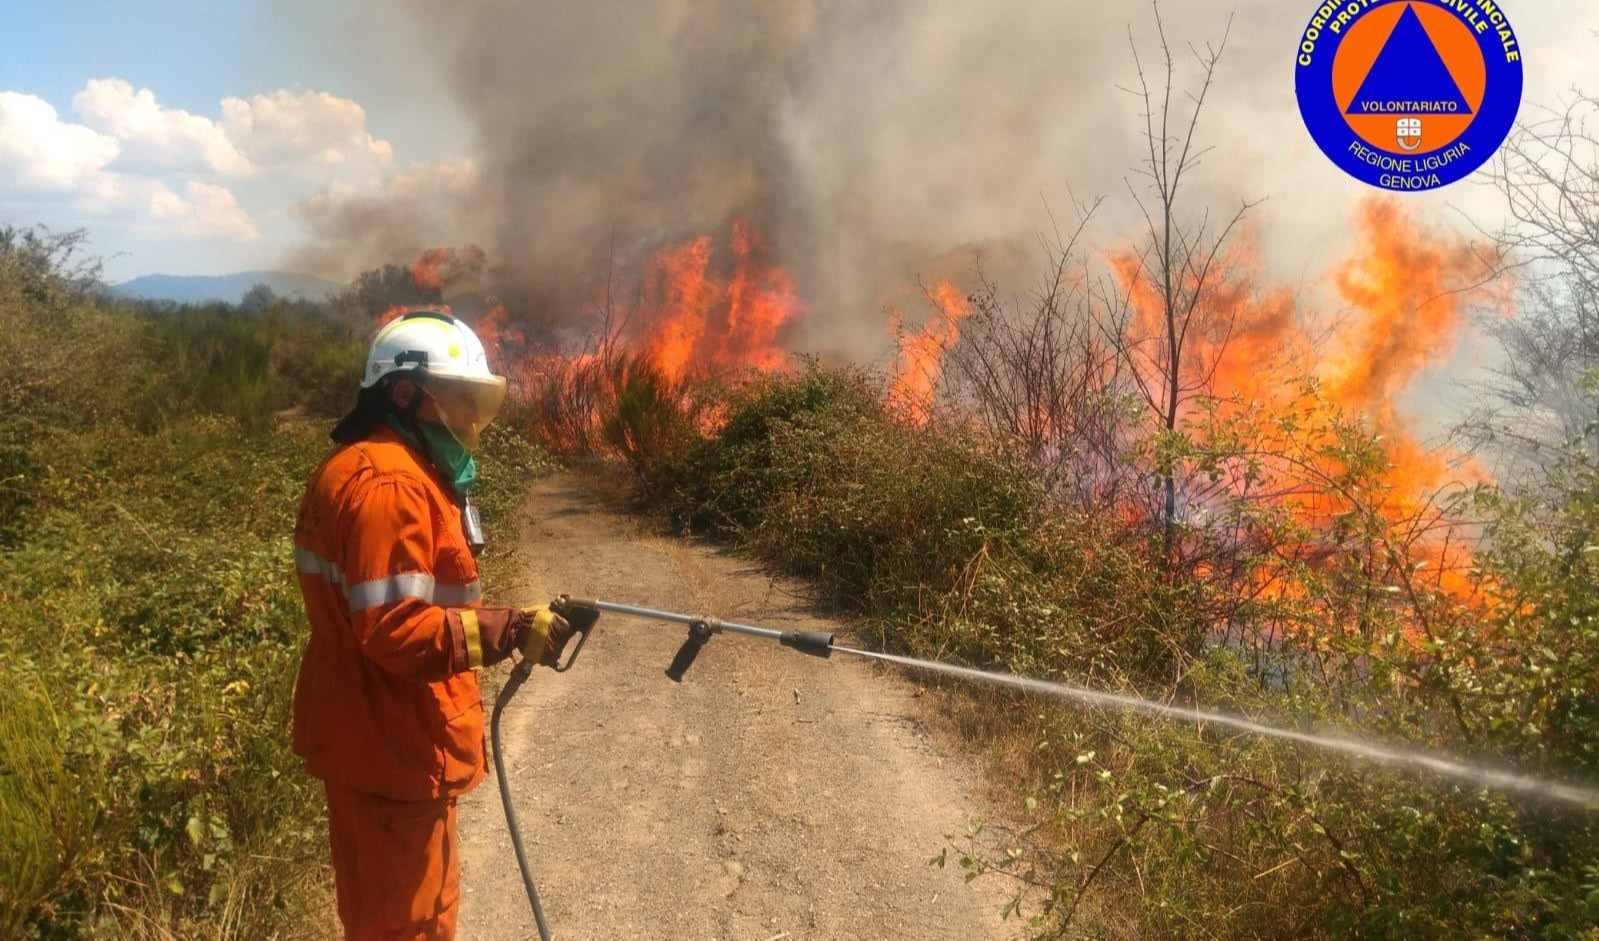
604,130
875,144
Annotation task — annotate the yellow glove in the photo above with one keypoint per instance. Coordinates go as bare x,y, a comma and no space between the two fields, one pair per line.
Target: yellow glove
543,635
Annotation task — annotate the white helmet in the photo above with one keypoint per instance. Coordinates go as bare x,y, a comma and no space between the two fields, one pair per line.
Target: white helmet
426,339
452,367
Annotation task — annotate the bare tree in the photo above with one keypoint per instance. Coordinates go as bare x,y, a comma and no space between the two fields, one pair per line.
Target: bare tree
1038,371
1180,261
1533,411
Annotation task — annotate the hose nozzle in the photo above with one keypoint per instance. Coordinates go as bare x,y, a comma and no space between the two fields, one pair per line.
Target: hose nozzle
814,643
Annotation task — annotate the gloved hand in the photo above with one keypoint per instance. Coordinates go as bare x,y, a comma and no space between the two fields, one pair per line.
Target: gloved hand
482,637
542,634
582,615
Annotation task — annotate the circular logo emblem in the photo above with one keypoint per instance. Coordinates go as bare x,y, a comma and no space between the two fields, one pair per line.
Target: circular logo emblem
1409,94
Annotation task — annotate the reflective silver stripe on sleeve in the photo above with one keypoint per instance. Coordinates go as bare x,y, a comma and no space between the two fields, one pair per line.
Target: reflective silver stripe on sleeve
457,595
381,591
389,590
309,563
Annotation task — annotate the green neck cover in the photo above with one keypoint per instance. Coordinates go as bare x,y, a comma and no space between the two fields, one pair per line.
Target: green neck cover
453,462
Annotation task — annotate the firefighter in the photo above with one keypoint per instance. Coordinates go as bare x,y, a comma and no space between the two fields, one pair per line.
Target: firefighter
387,711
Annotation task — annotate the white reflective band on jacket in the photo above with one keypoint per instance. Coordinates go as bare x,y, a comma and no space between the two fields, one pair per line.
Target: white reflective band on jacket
380,591
309,563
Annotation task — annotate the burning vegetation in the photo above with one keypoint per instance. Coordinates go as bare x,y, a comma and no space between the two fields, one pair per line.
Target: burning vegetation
1266,389
693,322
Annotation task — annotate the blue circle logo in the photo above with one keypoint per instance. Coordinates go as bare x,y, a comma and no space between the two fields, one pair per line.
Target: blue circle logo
1409,94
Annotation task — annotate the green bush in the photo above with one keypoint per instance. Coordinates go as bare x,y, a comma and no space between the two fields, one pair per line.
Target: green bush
153,603
249,367
942,536
49,807
507,462
649,416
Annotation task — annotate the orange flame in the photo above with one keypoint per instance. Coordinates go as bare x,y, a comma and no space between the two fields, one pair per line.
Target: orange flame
695,320
921,354
500,338
440,267
761,300
1407,290
390,315
1237,326
1410,290
677,305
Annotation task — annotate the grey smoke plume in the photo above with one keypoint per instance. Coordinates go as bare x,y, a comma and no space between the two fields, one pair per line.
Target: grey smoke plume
874,143
609,127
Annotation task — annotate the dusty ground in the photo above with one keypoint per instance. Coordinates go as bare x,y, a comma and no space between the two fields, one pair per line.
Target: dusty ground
770,796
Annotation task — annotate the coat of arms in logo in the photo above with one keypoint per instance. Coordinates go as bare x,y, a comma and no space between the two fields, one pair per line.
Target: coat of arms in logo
1409,95
1409,133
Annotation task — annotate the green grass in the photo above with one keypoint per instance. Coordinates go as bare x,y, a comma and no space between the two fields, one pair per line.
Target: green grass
151,628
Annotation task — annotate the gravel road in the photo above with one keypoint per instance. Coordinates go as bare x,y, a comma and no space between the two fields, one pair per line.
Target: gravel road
770,797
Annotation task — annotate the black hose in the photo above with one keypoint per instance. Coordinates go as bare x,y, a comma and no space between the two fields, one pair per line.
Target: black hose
519,675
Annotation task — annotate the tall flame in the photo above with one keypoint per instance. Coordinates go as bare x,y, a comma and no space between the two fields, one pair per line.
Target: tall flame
1406,290
920,362
696,320
707,304
1237,324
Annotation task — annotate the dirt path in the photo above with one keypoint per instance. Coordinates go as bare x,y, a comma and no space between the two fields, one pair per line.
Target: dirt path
769,796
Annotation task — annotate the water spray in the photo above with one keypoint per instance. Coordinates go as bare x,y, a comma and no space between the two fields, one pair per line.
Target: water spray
701,628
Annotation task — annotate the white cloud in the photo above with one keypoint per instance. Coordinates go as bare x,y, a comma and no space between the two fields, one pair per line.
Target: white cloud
310,132
40,152
201,211
205,211
56,164
155,138
130,161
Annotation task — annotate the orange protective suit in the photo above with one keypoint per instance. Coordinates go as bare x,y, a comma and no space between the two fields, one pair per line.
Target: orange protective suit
387,711
395,865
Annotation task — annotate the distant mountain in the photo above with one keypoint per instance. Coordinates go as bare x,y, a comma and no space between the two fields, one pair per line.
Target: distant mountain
229,288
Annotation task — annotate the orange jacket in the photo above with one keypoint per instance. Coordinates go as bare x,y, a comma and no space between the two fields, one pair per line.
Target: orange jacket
385,702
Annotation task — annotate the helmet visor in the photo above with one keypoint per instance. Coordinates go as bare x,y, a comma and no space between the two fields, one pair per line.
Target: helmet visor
466,405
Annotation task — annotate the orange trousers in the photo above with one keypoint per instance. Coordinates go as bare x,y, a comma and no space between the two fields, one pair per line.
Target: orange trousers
394,866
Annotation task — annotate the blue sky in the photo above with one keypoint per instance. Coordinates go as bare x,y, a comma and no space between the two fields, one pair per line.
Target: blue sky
67,43
167,211
244,48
